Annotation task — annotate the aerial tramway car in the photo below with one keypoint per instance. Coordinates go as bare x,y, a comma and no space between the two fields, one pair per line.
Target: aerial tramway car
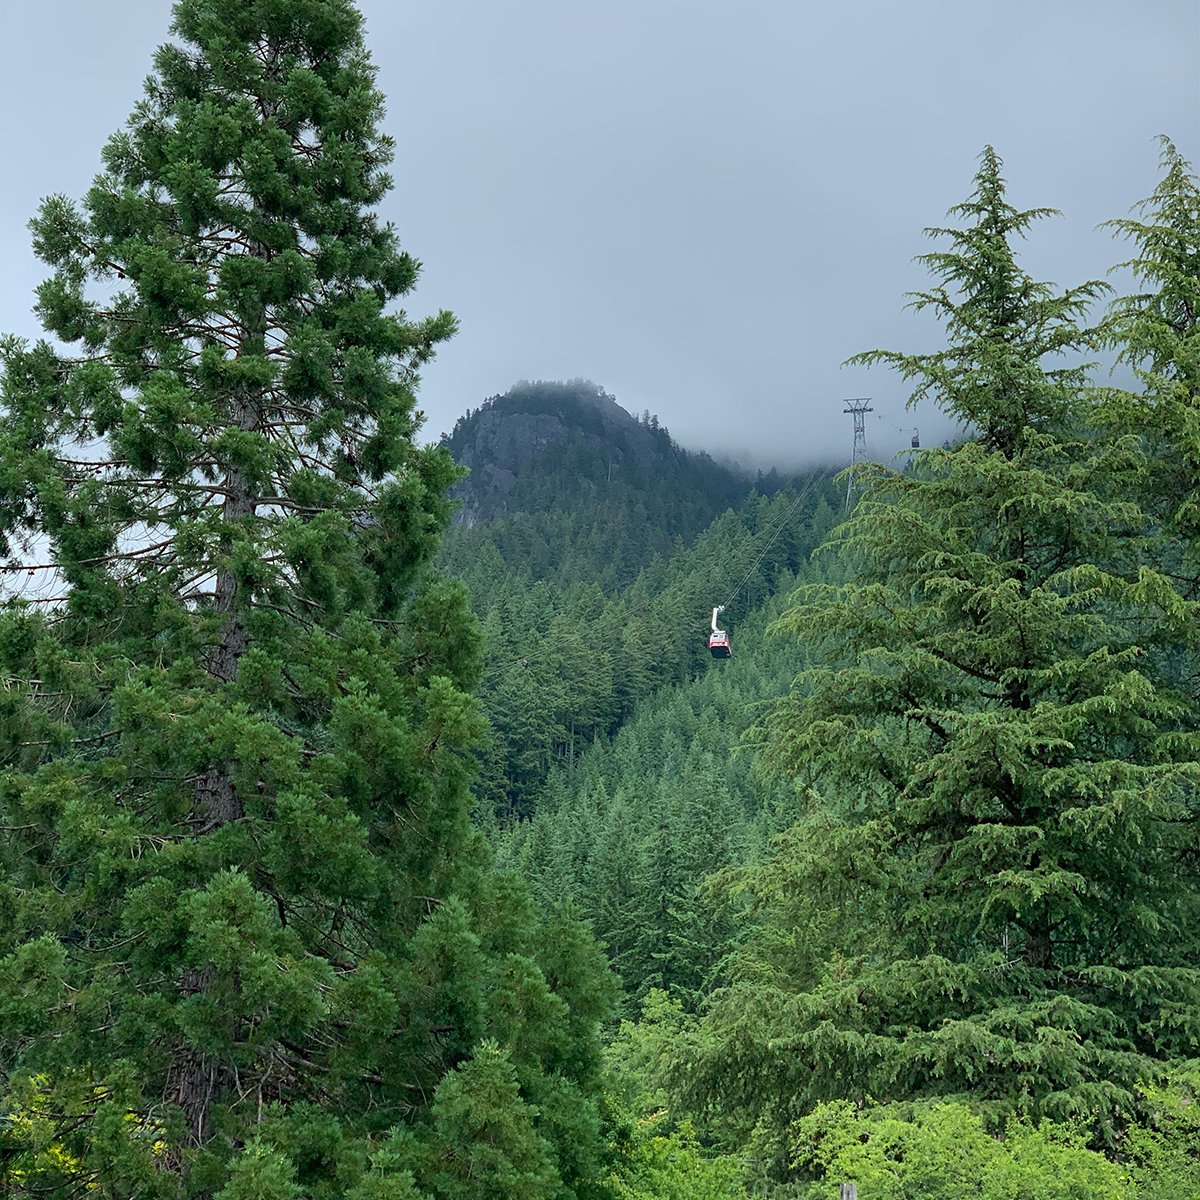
718,640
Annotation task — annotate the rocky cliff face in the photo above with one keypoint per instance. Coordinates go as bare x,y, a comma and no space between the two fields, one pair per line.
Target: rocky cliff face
539,444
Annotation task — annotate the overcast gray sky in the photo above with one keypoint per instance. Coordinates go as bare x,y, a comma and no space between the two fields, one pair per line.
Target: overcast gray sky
704,207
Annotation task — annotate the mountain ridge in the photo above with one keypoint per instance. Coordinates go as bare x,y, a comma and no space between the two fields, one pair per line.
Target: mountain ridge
540,445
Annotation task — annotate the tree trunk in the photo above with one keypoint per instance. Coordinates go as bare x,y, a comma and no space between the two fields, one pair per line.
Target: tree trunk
216,797
196,1079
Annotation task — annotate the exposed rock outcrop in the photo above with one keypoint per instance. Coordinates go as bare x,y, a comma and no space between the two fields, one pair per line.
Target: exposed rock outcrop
541,442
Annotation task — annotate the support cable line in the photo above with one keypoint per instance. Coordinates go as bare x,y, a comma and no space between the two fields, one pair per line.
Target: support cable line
718,641
912,430
779,526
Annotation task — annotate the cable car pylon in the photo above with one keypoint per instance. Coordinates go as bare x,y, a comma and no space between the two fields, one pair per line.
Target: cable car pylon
858,408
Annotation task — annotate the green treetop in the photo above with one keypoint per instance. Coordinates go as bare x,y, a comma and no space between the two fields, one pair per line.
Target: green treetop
993,896
240,901
1157,333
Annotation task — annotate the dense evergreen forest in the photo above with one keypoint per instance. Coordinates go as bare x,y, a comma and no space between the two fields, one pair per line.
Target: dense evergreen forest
374,830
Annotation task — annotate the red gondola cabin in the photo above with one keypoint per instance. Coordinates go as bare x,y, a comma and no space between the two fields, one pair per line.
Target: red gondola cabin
718,640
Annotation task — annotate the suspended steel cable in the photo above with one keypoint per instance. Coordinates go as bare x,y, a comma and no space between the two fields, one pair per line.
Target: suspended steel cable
787,516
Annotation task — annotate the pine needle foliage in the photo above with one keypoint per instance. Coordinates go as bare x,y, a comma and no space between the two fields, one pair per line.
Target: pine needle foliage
245,926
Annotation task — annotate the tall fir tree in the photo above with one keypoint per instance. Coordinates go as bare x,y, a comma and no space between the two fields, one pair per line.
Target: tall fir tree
1156,332
995,893
245,925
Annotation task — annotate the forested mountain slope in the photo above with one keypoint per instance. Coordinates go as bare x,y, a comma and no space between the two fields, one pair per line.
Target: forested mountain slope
610,780
571,487
566,661
626,834
542,445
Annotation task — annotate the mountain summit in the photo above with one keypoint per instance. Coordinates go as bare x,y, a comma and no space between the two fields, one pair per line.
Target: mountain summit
545,445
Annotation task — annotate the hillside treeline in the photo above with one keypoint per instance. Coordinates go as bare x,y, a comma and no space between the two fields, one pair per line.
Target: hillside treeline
346,853
565,664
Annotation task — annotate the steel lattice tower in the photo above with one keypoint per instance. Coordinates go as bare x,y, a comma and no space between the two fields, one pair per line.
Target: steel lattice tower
858,408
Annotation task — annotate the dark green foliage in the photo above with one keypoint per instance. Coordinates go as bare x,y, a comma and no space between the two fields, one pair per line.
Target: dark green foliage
611,727
939,935
593,494
1157,332
565,666
626,835
247,927
591,497
497,1151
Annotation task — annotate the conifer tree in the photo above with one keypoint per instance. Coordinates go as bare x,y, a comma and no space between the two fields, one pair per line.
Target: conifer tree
1157,333
245,926
993,895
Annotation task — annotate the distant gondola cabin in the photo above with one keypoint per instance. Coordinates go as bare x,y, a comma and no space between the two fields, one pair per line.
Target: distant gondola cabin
718,644
718,640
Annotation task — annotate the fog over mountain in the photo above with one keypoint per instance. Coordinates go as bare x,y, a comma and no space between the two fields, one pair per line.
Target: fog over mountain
704,207
542,445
